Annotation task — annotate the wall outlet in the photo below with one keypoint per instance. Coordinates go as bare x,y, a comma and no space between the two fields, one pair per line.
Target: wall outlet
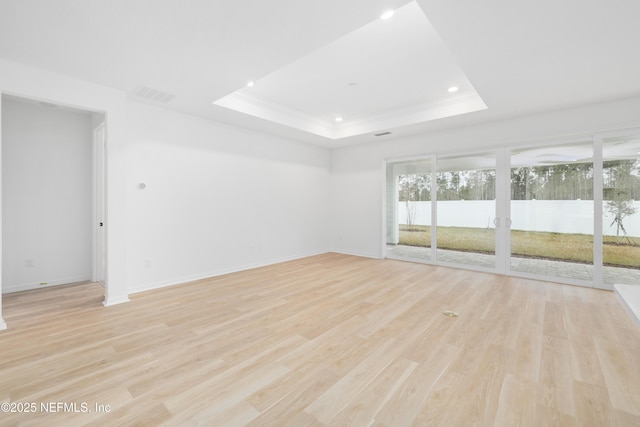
28,263
147,263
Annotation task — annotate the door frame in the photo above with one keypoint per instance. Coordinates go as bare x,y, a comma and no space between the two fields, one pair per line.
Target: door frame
99,268
503,203
501,191
103,124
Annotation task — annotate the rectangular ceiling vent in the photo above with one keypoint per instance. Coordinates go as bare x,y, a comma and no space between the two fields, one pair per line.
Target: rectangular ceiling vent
382,133
152,95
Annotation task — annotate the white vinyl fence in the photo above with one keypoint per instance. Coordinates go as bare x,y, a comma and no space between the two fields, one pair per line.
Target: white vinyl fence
560,216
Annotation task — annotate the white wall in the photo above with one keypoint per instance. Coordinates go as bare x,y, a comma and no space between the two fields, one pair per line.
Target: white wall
29,82
197,217
47,196
217,198
358,172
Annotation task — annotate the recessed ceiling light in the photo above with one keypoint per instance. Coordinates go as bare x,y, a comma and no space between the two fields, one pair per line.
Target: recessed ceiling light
338,119
250,84
453,89
388,14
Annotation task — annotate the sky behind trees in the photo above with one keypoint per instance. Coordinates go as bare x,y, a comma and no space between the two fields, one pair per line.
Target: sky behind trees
567,181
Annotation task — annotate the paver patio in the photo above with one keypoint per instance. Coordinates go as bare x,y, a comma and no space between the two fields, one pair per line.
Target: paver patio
612,275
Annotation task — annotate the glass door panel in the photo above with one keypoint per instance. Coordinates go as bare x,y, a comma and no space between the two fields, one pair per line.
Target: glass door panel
621,210
466,209
409,210
552,211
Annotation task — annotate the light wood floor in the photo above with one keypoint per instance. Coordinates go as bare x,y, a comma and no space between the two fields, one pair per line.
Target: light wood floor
328,340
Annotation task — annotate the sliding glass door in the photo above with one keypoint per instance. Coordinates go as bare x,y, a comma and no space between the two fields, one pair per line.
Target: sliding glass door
621,210
568,212
464,206
551,211
466,210
408,210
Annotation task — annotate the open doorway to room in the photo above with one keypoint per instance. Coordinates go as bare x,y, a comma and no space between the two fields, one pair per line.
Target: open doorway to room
52,195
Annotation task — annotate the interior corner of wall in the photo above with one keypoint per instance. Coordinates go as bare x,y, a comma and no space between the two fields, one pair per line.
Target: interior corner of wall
108,302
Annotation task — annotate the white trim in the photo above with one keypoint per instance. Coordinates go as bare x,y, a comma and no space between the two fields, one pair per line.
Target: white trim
3,325
35,83
355,253
99,178
108,302
57,282
598,240
221,272
618,133
381,212
469,267
629,295
383,223
433,250
515,143
553,279
502,246
415,260
243,102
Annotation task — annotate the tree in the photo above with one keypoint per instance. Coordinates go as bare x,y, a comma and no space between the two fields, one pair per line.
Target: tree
413,188
620,182
620,208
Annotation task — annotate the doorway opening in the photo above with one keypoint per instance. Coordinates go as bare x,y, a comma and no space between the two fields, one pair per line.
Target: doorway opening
53,195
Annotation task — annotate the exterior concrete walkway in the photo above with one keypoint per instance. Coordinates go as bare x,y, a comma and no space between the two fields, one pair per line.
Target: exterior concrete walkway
571,270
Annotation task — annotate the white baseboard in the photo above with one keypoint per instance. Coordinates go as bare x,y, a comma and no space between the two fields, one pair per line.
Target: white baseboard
108,302
30,286
630,297
3,325
221,272
360,254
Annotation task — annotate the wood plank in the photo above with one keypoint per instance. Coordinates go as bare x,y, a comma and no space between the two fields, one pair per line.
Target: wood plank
517,403
621,375
554,320
322,341
363,409
528,352
555,386
592,405
325,408
405,404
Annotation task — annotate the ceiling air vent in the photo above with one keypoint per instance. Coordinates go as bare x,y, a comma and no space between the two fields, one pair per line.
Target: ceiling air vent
382,133
153,95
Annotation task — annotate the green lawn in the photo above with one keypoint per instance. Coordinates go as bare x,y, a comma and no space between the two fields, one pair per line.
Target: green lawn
559,246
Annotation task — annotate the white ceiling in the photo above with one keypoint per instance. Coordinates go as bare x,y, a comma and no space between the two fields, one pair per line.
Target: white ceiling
520,57
386,74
